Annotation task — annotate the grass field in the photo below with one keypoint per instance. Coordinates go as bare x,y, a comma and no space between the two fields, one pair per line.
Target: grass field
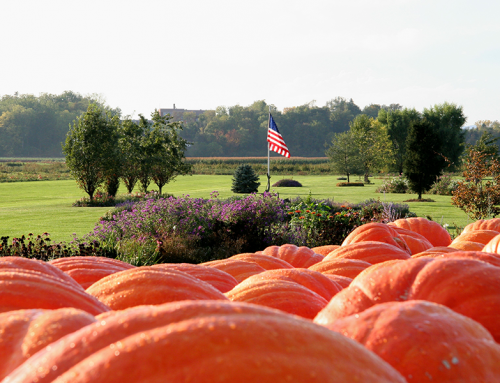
45,206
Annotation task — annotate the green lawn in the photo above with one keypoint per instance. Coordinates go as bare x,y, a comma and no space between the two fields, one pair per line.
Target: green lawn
45,206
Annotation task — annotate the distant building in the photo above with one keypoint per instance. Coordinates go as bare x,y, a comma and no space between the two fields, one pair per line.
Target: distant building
178,113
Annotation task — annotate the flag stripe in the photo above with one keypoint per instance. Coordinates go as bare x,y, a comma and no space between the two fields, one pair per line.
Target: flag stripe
276,142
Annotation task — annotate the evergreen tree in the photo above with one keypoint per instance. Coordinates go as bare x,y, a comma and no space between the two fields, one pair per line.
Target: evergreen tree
424,161
245,180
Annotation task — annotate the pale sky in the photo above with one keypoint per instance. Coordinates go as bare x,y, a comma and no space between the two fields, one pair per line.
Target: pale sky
200,54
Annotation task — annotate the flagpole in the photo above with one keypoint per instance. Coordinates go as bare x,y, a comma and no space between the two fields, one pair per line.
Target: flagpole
268,155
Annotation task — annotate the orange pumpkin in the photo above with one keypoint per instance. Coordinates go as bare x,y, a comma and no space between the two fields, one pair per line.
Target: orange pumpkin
324,250
310,279
150,286
25,332
425,341
493,245
239,269
435,250
349,268
492,259
469,287
219,279
301,257
416,242
433,231
339,279
287,296
267,262
205,341
467,246
368,251
378,232
479,236
88,270
483,224
28,264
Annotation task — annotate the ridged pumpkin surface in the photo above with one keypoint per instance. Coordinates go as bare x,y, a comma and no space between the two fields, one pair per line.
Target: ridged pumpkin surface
416,242
205,341
467,246
310,279
493,246
219,279
368,251
287,296
349,268
150,286
492,259
339,279
483,224
88,270
25,332
267,262
239,269
302,256
24,289
378,232
469,287
324,250
433,231
36,265
480,236
425,342
435,250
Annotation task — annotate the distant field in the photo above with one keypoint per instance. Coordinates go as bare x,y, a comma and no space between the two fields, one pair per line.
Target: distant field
45,206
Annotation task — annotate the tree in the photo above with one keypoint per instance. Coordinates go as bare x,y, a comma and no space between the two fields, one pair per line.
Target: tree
372,144
343,154
131,134
424,161
91,147
447,121
478,195
245,180
168,148
398,123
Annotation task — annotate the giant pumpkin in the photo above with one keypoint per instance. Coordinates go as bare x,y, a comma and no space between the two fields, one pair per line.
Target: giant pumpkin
205,342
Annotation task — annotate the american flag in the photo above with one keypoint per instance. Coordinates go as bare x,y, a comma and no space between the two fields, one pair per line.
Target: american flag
276,142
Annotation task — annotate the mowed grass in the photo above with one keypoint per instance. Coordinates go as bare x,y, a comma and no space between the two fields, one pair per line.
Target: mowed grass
46,206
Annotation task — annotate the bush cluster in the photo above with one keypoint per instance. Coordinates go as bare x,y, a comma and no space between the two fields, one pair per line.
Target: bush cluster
398,184
287,183
445,185
198,230
350,184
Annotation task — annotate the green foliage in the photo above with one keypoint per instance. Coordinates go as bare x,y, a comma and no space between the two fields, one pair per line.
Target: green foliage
343,154
91,148
33,126
371,143
397,184
245,180
445,185
446,121
423,162
350,184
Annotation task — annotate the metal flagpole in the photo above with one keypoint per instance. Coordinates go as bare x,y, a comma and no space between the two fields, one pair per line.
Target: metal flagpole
268,155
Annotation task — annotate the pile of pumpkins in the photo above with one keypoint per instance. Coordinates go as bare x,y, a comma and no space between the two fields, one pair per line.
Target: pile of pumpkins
397,302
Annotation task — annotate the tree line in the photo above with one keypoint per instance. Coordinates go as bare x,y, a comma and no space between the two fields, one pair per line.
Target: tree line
419,145
33,126
102,150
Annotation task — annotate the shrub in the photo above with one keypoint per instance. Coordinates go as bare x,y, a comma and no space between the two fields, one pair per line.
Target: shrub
245,180
287,183
445,185
397,184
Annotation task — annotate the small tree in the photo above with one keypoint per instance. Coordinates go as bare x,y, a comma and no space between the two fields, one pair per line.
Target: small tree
478,195
91,148
424,162
245,180
131,134
343,154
